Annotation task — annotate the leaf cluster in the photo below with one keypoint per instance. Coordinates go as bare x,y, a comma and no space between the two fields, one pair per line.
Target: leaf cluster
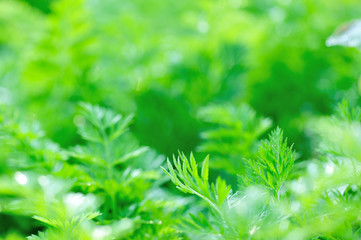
272,163
232,134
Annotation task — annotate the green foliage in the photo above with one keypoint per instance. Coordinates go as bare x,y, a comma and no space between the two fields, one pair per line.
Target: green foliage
186,177
272,163
95,95
233,135
51,204
103,170
347,113
108,167
103,162
24,145
220,223
109,53
308,207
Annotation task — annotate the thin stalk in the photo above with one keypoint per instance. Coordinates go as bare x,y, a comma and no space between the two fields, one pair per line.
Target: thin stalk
109,163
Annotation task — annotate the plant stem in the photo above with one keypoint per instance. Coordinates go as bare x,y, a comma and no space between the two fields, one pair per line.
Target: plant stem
109,163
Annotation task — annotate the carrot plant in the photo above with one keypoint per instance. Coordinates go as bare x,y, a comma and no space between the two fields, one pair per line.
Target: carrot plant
108,188
180,120
315,199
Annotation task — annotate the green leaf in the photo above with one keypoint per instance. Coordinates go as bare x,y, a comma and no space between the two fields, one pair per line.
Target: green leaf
205,169
131,155
272,163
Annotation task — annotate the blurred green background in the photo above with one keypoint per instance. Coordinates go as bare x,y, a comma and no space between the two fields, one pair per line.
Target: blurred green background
201,76
165,60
